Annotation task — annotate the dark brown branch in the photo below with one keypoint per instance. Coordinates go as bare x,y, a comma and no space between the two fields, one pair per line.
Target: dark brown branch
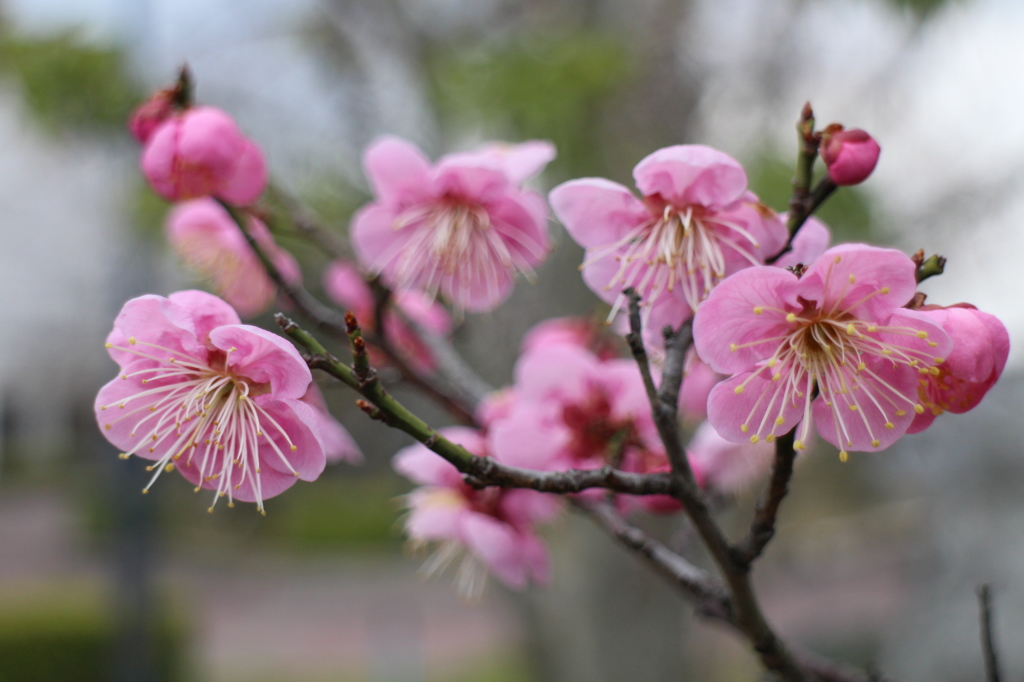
762,528
709,597
988,646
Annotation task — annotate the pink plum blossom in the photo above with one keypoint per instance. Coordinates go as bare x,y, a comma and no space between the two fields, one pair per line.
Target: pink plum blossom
462,227
492,528
218,400
981,345
347,287
571,410
849,155
834,343
201,152
809,242
582,332
725,466
209,241
695,225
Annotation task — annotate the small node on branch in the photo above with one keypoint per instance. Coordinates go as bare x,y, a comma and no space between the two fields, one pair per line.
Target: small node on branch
351,323
928,267
370,409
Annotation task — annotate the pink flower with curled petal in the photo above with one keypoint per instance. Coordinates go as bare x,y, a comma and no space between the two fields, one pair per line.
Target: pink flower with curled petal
217,400
201,152
834,343
209,241
461,228
981,345
492,529
695,225
347,287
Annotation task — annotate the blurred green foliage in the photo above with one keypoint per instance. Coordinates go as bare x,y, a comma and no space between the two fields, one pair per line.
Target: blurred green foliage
847,212
66,631
548,87
69,84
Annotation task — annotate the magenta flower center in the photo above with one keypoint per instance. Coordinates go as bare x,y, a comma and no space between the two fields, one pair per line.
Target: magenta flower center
681,247
199,414
832,354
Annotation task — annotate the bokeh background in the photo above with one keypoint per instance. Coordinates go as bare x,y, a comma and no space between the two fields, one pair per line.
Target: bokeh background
877,560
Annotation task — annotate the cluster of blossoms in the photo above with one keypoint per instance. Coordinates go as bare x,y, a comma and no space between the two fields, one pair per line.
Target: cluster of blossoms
789,334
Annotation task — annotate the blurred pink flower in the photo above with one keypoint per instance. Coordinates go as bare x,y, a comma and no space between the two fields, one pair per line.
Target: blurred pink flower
201,152
981,345
347,287
217,400
462,227
337,441
810,242
696,224
491,529
725,466
210,242
582,332
151,114
849,155
835,342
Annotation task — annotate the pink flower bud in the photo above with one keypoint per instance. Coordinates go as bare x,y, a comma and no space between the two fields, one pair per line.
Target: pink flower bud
201,152
151,114
850,155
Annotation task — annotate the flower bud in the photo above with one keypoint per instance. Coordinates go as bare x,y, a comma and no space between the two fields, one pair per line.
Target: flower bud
850,155
151,114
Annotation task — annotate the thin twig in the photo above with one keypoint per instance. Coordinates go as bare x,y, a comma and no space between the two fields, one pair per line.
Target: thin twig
762,528
636,344
988,646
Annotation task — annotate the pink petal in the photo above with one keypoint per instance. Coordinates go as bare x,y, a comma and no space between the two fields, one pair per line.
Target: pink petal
262,357
467,177
397,171
424,467
347,287
521,218
530,437
599,272
300,423
158,321
249,177
811,240
698,381
737,224
882,281
747,311
373,235
208,311
972,357
337,442
728,467
561,373
435,514
527,507
521,161
597,212
498,545
687,175
757,407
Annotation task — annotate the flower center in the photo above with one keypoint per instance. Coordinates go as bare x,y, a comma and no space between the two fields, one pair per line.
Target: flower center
683,247
197,413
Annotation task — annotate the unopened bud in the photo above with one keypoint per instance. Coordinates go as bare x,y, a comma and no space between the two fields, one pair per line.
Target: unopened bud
151,114
850,155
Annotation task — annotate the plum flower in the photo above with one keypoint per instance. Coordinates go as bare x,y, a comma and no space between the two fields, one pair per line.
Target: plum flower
217,400
572,410
201,152
491,529
346,286
461,228
581,332
725,466
834,343
981,345
210,242
696,224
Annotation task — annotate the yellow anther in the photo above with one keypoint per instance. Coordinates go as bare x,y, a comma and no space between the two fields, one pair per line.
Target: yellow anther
913,363
779,421
131,340
861,367
758,310
850,329
109,345
145,491
737,391
890,425
843,456
919,409
886,351
263,512
744,428
939,361
169,468
231,505
872,328
754,439
296,474
875,443
934,371
770,438
900,413
776,377
799,445
123,455
772,362
107,427
922,335
231,350
149,468
932,344
732,347
294,448
853,408
791,317
852,280
210,510
103,407
884,290
258,471
838,259
196,489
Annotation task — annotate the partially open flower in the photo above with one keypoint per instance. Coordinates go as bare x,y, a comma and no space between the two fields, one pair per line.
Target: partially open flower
981,345
492,529
217,400
209,241
835,343
151,114
695,225
461,228
201,152
849,155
